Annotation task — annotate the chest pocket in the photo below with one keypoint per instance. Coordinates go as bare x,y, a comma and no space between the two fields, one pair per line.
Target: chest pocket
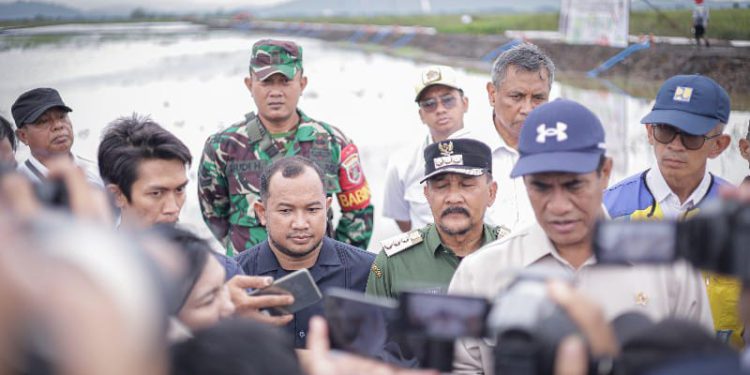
243,176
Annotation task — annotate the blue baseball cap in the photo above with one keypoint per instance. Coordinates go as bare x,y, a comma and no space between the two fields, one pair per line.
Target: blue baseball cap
560,136
692,103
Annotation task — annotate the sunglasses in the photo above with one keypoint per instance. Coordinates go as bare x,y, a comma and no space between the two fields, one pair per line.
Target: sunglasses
665,134
430,105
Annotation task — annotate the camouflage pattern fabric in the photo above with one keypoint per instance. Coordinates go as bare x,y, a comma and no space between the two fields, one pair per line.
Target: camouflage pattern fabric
233,160
275,56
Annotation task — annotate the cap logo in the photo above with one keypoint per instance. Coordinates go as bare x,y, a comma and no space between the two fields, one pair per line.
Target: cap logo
558,132
431,75
446,149
447,158
683,94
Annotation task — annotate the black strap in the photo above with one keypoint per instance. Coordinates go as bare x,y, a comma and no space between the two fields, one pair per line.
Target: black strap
35,170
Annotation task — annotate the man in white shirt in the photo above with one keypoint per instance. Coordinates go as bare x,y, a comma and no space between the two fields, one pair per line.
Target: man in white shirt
521,80
563,164
442,106
43,124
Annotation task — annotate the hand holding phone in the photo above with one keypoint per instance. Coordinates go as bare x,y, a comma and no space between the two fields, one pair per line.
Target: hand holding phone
299,284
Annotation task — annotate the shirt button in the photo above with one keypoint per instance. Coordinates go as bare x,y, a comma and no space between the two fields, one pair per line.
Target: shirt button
301,334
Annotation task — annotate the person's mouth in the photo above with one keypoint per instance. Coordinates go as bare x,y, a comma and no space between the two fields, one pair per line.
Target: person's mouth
300,238
60,139
563,226
455,210
275,105
672,162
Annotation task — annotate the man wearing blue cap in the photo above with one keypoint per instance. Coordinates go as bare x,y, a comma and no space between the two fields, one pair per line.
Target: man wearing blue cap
685,127
565,170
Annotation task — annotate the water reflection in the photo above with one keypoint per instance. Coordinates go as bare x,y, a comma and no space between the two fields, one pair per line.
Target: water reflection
191,82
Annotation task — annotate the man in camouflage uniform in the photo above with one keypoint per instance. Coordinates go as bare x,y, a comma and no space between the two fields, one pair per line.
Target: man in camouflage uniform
459,190
234,158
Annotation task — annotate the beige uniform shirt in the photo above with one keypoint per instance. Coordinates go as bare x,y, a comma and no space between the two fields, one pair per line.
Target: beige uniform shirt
657,291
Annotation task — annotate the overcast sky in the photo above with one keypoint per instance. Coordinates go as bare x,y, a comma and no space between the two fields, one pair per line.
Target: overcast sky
160,4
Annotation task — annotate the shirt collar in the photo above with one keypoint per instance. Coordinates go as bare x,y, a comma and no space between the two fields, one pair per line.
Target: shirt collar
267,261
661,191
433,243
544,248
38,165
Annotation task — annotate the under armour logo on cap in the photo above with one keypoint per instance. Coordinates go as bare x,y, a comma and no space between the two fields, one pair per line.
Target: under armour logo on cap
559,131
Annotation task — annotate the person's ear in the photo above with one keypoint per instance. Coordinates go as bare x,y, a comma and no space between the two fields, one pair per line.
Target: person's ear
650,134
121,201
22,136
329,201
493,193
302,82
744,146
466,103
249,83
719,145
260,212
491,92
605,173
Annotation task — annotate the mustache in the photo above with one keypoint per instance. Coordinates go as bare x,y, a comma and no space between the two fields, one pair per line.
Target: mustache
455,210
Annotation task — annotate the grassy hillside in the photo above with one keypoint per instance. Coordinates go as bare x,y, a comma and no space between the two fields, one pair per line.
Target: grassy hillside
724,23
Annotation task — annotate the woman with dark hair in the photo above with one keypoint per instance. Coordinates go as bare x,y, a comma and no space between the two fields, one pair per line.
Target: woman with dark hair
201,296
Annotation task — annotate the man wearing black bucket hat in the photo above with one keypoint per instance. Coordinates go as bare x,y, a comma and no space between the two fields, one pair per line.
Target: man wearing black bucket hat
43,124
565,170
686,129
459,188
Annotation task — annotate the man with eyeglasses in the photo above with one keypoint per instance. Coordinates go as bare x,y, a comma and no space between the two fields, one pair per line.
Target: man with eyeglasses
685,127
43,124
442,106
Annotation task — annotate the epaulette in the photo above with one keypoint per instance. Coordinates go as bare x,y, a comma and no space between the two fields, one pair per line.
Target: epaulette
403,241
501,231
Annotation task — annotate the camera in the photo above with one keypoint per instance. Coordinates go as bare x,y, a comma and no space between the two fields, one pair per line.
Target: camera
716,239
421,328
527,325
51,193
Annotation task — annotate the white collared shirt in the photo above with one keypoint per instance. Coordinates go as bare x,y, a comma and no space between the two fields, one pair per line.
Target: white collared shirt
656,291
404,198
512,207
89,168
669,201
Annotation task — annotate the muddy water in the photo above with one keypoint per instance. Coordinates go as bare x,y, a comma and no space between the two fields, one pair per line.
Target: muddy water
191,81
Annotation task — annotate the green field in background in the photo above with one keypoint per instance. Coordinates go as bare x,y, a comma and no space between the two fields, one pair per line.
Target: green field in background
723,23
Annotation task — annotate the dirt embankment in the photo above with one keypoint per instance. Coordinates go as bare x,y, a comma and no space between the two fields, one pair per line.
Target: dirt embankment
639,74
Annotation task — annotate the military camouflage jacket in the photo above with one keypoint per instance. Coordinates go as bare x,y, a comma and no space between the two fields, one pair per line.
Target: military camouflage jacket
233,160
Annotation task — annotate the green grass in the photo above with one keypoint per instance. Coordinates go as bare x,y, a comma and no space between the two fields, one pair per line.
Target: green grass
724,23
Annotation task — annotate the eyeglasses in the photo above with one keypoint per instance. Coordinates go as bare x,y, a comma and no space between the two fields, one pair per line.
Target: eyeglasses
430,105
666,134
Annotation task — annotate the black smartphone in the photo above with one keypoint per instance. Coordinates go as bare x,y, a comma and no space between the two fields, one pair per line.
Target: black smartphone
358,323
442,316
299,284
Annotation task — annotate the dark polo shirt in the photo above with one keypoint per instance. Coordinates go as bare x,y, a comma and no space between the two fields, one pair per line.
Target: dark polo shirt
338,265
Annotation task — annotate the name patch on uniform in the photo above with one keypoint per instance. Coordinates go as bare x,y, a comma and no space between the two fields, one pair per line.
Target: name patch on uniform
354,200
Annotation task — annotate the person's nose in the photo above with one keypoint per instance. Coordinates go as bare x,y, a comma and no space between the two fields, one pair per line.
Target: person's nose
559,203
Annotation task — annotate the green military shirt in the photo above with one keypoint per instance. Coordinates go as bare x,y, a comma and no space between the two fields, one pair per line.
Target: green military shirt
234,159
418,260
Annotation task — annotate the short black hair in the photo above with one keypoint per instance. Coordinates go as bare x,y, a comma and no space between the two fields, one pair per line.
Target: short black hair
128,141
6,131
290,167
235,346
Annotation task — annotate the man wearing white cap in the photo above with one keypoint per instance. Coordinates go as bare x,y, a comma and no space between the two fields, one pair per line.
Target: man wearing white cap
442,106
